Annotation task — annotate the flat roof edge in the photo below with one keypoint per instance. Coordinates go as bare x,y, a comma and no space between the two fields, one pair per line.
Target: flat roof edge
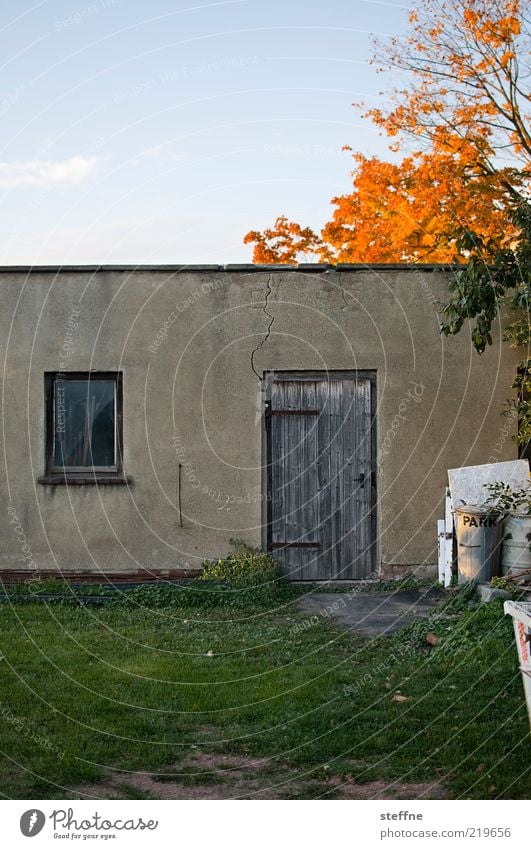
246,268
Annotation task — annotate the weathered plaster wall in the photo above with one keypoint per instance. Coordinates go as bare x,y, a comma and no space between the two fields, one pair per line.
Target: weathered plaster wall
184,341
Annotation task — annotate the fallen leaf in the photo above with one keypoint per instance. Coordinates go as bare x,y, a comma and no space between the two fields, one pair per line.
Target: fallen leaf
398,697
432,639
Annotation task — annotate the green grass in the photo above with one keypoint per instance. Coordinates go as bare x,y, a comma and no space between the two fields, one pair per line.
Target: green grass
85,689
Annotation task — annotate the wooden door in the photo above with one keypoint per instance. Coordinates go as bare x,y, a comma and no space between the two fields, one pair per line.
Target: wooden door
321,481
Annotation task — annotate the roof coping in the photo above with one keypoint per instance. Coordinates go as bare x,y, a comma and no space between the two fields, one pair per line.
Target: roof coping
239,268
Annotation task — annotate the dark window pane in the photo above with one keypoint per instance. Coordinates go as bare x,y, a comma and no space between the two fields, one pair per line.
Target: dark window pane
85,424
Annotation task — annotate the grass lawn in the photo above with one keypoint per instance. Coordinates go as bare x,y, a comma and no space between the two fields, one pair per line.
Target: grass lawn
190,702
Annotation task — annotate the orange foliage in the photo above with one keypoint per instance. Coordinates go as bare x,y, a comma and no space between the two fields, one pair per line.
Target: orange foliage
469,67
467,103
284,243
411,211
406,212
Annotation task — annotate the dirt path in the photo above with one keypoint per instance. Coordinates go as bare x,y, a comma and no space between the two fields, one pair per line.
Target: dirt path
237,777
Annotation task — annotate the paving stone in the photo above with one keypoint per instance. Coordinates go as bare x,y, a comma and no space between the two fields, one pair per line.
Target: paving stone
373,614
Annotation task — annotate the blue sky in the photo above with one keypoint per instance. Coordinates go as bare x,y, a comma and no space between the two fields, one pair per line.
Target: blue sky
135,131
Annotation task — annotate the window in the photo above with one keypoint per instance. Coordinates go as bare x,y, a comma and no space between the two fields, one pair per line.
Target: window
83,427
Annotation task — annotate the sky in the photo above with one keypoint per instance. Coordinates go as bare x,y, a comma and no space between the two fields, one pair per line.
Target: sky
161,131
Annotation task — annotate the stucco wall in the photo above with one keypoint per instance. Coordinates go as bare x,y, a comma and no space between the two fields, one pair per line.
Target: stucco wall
184,342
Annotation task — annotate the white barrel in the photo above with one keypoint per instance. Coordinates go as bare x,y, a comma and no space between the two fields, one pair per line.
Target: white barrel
516,548
479,535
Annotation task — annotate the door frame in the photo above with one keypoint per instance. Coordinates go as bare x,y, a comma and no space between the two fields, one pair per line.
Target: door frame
267,483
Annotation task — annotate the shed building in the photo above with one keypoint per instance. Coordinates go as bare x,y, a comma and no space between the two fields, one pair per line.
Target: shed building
150,414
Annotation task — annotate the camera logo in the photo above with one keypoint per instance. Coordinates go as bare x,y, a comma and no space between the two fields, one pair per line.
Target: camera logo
32,822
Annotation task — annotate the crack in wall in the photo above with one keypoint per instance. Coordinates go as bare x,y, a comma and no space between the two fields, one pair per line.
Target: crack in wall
343,295
269,327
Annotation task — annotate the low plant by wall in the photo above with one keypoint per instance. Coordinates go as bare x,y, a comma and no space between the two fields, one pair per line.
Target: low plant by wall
246,578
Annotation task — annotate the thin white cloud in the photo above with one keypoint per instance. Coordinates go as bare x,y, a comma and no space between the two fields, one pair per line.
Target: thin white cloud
153,152
156,152
135,239
42,174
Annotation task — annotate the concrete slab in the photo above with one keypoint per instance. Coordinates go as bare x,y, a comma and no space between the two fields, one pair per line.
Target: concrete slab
488,593
467,485
373,614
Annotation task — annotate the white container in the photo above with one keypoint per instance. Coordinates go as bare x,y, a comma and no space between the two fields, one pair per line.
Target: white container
479,534
521,613
516,547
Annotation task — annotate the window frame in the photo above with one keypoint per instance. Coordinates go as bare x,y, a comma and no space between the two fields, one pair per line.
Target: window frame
82,474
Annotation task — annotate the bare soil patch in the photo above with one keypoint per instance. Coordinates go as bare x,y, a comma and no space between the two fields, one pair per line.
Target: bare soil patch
218,776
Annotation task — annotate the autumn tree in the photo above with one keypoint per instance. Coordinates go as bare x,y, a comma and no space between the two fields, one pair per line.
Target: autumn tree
463,193
284,243
405,212
497,279
468,66
408,211
467,63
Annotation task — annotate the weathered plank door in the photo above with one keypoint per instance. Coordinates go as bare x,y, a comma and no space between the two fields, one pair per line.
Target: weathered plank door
321,481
